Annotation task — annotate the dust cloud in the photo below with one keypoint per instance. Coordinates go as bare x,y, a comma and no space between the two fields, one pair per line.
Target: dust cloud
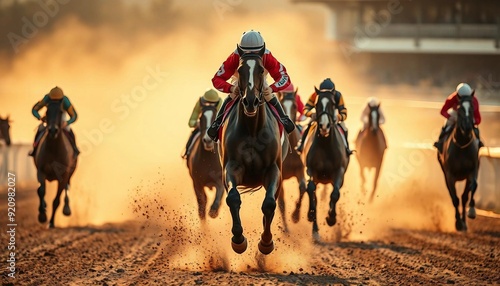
134,97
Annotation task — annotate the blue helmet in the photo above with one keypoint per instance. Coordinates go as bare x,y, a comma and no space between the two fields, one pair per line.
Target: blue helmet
327,84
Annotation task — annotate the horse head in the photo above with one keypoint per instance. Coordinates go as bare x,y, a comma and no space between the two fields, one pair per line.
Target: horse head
465,115
325,109
208,113
5,129
251,80
373,120
289,104
54,118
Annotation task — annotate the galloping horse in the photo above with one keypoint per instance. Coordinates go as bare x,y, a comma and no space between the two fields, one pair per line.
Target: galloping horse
251,151
293,165
204,165
460,161
54,160
325,157
5,130
370,146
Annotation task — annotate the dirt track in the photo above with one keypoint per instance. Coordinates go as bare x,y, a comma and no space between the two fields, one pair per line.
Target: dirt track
146,253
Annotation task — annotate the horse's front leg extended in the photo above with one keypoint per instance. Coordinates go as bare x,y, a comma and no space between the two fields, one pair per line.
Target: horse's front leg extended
331,219
272,183
57,200
472,205
450,183
42,212
233,200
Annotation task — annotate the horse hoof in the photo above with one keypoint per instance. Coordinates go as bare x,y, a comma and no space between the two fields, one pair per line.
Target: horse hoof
331,221
472,213
51,225
42,217
266,248
66,211
213,213
316,238
460,226
295,216
240,247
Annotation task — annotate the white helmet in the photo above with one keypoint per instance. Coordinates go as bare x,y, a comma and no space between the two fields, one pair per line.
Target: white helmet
373,101
251,41
464,89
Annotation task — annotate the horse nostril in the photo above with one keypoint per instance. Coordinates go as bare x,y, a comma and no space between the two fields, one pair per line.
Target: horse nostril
245,101
256,102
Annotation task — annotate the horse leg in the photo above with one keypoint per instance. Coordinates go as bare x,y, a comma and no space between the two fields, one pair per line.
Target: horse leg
302,189
214,208
66,208
454,198
233,200
201,199
472,205
56,202
42,213
311,215
331,219
281,205
375,182
273,185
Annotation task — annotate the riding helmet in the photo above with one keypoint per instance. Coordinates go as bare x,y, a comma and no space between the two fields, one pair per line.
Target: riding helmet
211,95
464,89
327,84
251,41
56,93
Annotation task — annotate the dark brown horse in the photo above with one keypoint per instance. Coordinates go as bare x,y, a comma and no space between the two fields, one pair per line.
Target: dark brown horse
5,130
204,165
251,151
293,165
460,161
54,160
325,157
370,146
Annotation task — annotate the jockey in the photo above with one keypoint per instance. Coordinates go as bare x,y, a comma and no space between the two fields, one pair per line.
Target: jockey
251,42
452,103
371,102
326,85
209,97
300,105
55,94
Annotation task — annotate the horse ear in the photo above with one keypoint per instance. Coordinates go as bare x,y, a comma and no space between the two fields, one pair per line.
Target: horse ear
473,92
316,90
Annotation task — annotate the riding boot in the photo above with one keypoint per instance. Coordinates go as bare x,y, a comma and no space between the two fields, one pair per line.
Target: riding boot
439,144
213,130
73,142
476,132
300,144
283,117
348,150
188,144
38,134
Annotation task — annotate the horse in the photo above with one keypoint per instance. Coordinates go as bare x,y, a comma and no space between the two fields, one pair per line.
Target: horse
325,157
54,160
251,151
5,130
292,165
371,146
460,161
204,165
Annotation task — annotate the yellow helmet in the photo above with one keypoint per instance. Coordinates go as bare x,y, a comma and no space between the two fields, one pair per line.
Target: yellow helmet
211,95
56,93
